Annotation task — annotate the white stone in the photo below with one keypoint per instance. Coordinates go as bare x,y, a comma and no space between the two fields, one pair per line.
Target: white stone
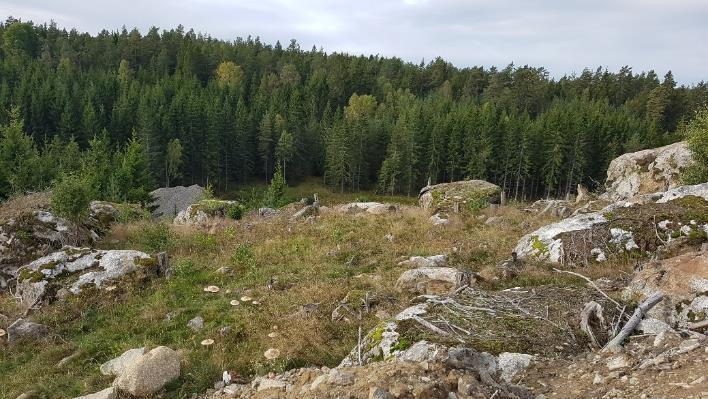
425,261
108,393
117,366
511,364
150,372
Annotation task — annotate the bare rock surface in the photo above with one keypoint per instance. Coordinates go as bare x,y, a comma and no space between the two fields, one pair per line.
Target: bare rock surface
73,268
459,195
647,171
172,200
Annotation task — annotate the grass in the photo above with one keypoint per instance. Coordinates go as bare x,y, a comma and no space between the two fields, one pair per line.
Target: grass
309,263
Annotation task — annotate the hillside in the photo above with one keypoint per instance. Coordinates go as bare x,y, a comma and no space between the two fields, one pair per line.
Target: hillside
350,299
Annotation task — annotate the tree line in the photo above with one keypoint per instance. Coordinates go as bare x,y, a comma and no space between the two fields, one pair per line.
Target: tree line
177,107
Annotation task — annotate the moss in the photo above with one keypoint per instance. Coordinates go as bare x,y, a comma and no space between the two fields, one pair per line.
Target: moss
376,335
146,262
31,275
401,345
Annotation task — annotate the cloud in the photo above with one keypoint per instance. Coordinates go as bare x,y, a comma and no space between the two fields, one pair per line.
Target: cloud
564,36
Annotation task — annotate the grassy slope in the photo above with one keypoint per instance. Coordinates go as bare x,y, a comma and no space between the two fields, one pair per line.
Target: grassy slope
313,263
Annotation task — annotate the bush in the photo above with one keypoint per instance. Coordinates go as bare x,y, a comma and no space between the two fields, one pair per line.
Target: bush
71,198
275,195
155,237
696,133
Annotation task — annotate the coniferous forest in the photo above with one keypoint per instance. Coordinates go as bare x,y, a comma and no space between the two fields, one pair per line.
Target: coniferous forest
130,111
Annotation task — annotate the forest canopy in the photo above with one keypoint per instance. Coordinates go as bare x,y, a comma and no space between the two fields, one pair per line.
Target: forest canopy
131,111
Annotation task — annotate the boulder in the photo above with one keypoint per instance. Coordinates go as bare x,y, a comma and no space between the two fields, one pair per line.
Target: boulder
108,393
202,211
423,351
149,373
171,201
117,365
647,171
459,196
25,329
425,261
618,228
438,220
510,364
683,280
373,208
382,342
431,280
38,281
196,323
35,234
550,207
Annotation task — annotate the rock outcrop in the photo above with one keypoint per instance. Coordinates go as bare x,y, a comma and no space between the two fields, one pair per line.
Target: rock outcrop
205,210
684,282
624,226
69,270
431,280
459,196
35,234
170,201
373,208
647,171
26,329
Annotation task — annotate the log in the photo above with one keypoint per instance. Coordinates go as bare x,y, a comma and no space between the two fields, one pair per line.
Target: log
633,321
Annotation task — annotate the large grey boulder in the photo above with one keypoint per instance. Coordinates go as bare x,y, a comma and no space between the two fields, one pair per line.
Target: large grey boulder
149,373
201,212
510,364
647,171
83,266
172,200
459,196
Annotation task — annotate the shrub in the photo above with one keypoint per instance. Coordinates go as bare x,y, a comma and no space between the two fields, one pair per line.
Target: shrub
155,237
696,132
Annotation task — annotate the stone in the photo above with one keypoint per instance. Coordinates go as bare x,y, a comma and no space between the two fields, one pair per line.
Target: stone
339,377
647,171
267,212
196,323
494,221
108,393
511,364
422,351
379,393
171,201
618,362
271,354
25,329
431,280
117,365
149,373
653,326
459,196
198,214
438,220
425,261
269,383
682,279
372,208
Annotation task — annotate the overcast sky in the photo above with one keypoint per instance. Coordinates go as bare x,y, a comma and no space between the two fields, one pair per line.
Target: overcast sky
563,35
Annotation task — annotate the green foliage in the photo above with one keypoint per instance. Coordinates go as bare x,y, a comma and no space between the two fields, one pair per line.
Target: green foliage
71,197
18,157
275,195
696,132
154,237
240,107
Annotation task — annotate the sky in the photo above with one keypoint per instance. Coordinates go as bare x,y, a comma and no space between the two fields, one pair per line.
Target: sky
564,36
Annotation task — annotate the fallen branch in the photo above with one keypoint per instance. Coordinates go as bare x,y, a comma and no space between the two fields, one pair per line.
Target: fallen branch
633,321
592,283
698,325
